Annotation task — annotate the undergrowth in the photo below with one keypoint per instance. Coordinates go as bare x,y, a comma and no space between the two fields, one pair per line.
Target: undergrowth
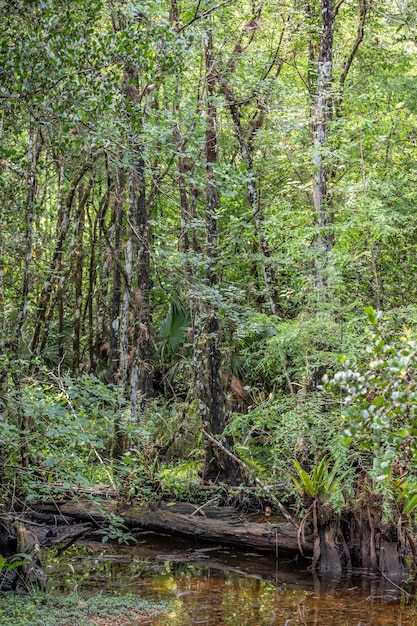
48,610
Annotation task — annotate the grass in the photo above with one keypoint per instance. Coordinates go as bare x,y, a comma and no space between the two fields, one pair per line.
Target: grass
47,610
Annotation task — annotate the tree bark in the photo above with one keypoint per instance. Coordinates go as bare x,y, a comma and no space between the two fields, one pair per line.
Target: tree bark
141,372
77,253
219,467
207,524
34,149
96,304
62,228
116,293
322,114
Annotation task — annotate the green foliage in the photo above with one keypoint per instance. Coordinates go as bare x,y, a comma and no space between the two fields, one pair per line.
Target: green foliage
405,495
174,329
83,84
379,401
179,480
326,482
116,530
67,425
32,610
275,431
173,358
16,561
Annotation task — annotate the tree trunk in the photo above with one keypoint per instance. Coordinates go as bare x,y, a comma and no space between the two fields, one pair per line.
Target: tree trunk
200,522
116,293
77,253
35,146
219,467
141,371
96,303
62,227
322,114
334,553
4,374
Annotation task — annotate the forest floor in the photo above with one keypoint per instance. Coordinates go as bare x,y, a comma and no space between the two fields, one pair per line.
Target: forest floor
42,609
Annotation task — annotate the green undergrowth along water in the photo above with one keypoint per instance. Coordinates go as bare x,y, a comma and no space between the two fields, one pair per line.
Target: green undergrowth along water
73,610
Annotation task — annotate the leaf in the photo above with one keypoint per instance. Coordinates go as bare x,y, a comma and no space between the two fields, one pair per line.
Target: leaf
306,482
410,503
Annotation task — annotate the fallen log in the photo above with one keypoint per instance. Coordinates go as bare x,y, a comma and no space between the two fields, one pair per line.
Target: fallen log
230,530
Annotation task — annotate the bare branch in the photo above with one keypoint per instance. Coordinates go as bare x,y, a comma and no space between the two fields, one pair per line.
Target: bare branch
363,11
204,14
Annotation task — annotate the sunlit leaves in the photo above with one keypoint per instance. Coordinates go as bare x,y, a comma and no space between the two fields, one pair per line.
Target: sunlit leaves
380,401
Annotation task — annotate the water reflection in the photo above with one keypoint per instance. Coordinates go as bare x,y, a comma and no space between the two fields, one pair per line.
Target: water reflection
212,585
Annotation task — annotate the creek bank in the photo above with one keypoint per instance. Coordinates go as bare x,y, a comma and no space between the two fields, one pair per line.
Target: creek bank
342,542
336,544
96,610
220,525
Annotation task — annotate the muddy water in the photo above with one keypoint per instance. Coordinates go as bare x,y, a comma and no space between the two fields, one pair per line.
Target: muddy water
212,585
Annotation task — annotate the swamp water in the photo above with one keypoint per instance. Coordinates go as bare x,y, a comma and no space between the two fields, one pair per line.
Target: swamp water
214,585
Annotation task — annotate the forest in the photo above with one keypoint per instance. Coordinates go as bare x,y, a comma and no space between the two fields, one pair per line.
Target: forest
208,245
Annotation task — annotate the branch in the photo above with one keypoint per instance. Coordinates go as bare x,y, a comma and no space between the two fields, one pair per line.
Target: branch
257,481
337,7
205,13
359,37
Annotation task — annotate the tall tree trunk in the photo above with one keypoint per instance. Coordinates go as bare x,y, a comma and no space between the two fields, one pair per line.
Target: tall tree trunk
141,371
62,228
322,114
4,369
34,148
189,244
77,252
124,348
96,299
135,348
218,465
116,292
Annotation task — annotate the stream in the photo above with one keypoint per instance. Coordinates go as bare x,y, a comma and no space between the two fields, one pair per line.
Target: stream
214,585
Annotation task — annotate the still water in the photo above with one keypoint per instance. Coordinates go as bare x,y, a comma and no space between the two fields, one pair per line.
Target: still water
213,585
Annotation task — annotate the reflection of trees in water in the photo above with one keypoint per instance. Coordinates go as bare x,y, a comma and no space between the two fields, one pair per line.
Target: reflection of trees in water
214,595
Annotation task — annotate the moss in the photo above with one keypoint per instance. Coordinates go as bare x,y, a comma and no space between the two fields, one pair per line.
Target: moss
47,610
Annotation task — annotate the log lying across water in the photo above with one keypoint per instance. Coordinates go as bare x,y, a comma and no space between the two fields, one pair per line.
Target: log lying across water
213,524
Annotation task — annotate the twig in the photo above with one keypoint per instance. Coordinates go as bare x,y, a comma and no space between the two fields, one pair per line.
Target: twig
203,505
205,13
395,585
29,522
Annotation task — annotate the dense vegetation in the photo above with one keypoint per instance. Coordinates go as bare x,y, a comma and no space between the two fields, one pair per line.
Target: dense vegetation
198,201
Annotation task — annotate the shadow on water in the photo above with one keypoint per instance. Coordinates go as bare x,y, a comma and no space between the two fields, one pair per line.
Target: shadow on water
214,585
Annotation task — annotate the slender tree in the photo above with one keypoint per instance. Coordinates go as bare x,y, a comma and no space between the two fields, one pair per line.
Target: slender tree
321,116
219,466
